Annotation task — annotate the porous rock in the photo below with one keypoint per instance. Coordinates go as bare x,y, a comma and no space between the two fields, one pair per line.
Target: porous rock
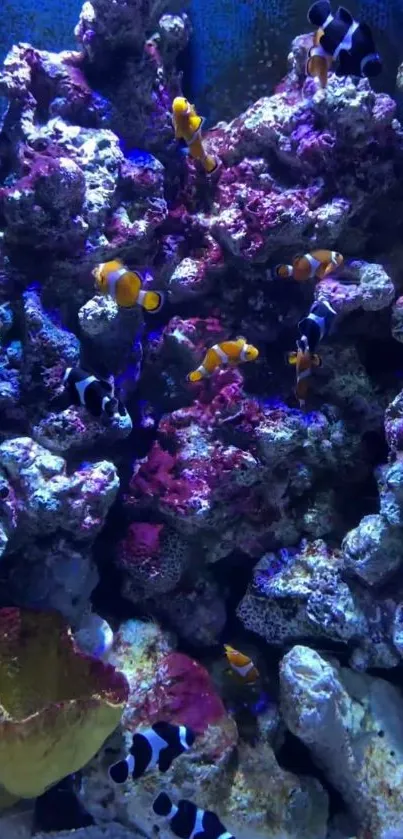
44,498
351,724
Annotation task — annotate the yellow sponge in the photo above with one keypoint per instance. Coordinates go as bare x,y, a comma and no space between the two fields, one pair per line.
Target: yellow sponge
57,705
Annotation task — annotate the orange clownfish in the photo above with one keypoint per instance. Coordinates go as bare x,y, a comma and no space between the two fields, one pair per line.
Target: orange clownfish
187,125
319,62
227,352
316,264
304,361
126,287
241,665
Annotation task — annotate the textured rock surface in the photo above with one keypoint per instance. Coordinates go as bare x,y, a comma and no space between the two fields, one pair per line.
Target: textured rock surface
352,725
226,474
252,806
301,594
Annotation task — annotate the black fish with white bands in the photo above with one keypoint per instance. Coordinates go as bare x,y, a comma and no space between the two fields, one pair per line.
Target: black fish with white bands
157,746
347,41
317,323
94,394
188,821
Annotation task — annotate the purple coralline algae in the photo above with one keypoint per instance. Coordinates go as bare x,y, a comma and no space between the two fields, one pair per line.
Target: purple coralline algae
49,519
226,506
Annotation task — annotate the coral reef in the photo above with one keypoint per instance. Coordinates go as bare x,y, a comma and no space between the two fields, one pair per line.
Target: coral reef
211,508
57,706
281,804
48,521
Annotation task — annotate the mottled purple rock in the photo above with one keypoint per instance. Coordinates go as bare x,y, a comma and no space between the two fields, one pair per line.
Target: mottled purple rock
42,498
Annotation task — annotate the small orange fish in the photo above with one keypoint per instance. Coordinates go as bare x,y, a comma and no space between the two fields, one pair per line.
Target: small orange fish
316,264
304,362
319,62
227,352
241,665
188,124
126,287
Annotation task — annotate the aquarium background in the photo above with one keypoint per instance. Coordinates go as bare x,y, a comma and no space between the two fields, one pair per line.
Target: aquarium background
238,49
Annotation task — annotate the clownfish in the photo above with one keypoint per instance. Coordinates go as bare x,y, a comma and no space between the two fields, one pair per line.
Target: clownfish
241,665
316,264
188,821
96,395
126,287
318,63
157,746
316,325
187,126
344,41
227,352
304,361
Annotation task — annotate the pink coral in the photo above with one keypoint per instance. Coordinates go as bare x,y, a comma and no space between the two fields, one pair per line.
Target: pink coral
182,692
153,556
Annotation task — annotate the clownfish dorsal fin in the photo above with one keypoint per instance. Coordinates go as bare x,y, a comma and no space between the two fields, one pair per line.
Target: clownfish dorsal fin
344,15
319,12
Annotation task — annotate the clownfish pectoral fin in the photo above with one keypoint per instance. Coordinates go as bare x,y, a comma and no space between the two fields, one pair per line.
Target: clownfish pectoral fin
316,360
282,272
291,358
329,268
152,301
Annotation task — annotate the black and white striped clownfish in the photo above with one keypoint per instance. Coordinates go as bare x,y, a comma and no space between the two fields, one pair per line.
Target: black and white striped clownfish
316,325
157,746
345,42
94,394
188,821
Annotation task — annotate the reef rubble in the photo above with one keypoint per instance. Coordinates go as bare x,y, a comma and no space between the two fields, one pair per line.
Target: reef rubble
203,511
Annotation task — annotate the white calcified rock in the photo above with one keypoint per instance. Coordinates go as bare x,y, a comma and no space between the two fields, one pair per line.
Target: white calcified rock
98,315
47,499
353,726
373,550
397,320
75,427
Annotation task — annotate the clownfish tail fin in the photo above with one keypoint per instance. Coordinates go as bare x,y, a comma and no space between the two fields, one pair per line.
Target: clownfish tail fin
210,164
194,376
152,301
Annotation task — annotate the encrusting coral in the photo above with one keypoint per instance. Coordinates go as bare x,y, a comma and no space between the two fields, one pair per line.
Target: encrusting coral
58,705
